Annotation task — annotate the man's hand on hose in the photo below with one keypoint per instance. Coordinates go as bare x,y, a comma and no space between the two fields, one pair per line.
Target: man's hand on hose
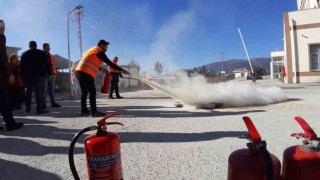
104,71
125,72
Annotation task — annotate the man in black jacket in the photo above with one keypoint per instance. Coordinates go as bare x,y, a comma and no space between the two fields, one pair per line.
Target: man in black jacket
115,75
6,76
34,71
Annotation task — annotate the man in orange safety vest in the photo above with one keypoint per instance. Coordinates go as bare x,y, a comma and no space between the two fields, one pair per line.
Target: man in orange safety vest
87,70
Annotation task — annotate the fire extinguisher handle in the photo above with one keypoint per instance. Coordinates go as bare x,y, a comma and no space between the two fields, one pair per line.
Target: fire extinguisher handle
254,135
114,123
308,132
102,121
316,144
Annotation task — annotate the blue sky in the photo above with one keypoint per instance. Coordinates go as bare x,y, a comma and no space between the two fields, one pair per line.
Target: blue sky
178,33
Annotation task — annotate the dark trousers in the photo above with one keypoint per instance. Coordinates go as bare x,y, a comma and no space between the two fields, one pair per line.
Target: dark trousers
36,84
87,86
114,87
5,107
16,96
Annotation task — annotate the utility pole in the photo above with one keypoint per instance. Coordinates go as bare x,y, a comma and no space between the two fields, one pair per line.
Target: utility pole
78,16
221,61
68,38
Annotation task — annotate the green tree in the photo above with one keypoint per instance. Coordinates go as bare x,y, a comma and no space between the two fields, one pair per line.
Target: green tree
203,70
259,71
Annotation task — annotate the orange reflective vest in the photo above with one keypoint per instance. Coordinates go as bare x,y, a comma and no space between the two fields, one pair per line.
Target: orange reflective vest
53,66
90,63
110,69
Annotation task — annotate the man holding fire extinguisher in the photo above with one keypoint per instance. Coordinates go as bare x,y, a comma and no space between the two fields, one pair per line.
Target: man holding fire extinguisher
86,72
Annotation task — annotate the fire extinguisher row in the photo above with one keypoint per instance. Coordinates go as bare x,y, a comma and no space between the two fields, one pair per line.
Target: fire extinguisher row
300,162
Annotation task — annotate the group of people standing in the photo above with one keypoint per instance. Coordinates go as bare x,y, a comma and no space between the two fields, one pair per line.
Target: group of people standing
37,71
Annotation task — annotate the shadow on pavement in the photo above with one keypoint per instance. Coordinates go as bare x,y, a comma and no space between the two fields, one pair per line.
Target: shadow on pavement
146,112
72,110
14,146
158,137
12,170
148,97
293,99
12,142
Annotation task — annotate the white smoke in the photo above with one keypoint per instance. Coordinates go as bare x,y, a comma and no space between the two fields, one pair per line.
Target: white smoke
196,91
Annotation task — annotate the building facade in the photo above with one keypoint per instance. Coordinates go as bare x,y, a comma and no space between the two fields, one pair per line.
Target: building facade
12,50
277,61
241,73
302,44
308,4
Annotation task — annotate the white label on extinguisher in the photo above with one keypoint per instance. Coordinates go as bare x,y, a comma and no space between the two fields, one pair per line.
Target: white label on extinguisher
103,161
105,167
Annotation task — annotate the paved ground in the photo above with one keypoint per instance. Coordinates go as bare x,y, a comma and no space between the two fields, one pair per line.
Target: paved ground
159,141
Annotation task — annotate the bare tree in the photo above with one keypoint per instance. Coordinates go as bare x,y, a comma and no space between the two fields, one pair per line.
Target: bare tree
135,63
158,68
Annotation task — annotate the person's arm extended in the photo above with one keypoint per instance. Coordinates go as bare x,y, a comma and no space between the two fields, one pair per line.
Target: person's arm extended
104,58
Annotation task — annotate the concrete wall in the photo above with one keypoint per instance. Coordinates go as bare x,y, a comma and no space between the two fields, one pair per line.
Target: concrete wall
301,30
129,82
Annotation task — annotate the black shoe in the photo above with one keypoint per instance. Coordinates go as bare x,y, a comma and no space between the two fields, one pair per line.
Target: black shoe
44,106
1,128
85,113
15,126
55,105
119,97
110,97
42,112
28,110
97,114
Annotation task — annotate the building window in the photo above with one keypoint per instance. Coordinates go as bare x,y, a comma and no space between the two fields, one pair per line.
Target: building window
277,58
315,57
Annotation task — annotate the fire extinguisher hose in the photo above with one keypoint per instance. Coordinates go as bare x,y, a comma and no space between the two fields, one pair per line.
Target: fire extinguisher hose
268,162
71,148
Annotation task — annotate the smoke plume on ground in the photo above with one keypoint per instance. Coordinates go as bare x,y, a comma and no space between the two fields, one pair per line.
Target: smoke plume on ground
196,91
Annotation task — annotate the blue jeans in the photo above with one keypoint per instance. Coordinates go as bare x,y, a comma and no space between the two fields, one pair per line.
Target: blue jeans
49,86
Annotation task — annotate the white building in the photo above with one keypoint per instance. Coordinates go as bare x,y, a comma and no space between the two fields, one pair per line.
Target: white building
308,4
277,61
302,43
12,50
241,73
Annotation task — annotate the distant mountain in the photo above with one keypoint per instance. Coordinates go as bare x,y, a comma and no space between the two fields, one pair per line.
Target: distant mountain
233,64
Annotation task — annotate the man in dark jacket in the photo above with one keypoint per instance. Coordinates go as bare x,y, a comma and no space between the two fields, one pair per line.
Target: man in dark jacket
114,80
34,71
6,76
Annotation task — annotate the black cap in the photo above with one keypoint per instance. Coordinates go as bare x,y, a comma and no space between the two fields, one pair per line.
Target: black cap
32,44
102,42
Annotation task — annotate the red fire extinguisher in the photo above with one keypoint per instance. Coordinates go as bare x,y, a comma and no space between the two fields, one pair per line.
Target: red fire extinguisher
254,162
106,82
102,149
303,161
